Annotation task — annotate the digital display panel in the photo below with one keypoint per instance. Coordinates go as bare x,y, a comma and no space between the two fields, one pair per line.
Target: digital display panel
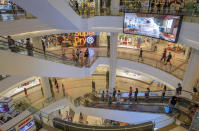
27,126
165,27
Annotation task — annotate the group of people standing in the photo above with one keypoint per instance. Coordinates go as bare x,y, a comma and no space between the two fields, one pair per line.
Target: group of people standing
116,95
78,56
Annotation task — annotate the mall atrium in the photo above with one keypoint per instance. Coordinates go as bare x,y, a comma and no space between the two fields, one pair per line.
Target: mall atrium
99,65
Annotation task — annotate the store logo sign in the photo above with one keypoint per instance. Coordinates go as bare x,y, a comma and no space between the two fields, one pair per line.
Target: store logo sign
81,38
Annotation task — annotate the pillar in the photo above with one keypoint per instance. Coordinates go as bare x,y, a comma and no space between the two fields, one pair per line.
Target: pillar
113,61
115,6
36,41
191,75
46,87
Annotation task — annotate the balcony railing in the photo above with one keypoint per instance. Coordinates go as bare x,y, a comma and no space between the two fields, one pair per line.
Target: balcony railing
190,15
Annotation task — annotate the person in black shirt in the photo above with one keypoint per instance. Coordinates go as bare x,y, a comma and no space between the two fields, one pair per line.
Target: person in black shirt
136,94
179,88
114,93
163,92
158,7
140,55
172,103
164,8
169,57
77,7
29,47
11,44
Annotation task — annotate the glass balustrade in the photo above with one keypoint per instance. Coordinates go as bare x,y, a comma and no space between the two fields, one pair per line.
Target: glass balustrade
177,69
10,14
190,12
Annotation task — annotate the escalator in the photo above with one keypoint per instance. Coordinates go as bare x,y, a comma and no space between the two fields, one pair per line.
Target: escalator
154,104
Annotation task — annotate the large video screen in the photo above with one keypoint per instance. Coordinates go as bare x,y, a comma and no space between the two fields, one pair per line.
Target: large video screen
164,27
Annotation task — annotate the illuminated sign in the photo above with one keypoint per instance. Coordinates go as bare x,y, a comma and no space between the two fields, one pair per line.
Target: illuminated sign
81,38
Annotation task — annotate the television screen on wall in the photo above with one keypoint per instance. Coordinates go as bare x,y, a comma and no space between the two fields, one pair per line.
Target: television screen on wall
165,27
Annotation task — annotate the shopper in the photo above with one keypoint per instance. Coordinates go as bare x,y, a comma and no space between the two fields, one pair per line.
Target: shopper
163,93
110,100
164,7
172,103
140,55
147,94
11,44
57,87
179,88
29,47
130,93
195,96
81,57
164,55
139,6
152,5
169,57
118,96
87,56
77,56
63,89
25,92
77,7
114,93
55,81
136,94
44,46
158,8
102,96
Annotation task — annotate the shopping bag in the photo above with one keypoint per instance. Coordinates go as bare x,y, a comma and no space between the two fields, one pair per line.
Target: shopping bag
167,109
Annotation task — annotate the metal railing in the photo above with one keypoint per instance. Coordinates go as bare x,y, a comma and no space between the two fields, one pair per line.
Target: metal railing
190,15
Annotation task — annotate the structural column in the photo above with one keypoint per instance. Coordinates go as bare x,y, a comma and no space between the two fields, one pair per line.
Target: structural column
46,87
113,61
115,6
37,42
192,73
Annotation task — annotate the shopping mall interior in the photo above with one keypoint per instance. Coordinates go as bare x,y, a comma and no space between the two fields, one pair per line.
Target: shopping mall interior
99,65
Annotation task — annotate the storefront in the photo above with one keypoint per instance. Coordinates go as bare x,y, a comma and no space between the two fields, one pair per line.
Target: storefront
77,39
136,42
152,44
35,81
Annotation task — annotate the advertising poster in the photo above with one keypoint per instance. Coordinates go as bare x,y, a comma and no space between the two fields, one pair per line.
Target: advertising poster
159,26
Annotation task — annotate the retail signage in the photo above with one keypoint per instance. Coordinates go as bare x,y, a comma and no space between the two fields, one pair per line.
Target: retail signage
26,123
81,38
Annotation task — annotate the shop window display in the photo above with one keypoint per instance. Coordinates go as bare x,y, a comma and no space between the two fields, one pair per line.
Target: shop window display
152,44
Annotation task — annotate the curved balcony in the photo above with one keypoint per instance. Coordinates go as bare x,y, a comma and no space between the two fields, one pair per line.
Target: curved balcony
64,56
